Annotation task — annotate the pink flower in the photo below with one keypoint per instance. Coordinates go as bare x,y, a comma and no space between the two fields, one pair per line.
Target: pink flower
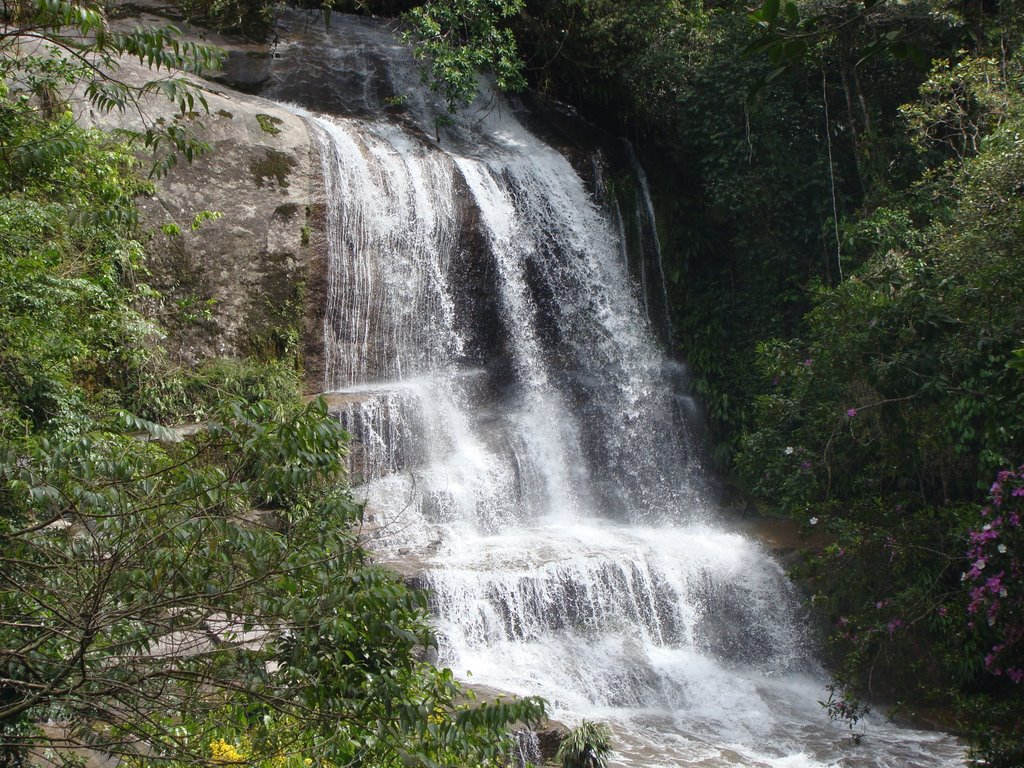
851,412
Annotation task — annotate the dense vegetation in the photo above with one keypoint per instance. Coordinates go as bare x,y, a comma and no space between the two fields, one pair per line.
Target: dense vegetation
172,598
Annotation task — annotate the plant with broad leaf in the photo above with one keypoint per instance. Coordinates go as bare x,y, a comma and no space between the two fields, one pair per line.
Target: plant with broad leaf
459,39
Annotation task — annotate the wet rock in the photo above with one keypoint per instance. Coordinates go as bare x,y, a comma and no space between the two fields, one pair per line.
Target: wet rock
549,740
426,654
245,69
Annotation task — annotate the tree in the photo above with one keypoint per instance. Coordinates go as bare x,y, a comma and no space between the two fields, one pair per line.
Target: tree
896,406
160,597
460,39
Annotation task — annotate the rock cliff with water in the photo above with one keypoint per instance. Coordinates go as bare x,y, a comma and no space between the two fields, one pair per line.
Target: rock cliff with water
523,433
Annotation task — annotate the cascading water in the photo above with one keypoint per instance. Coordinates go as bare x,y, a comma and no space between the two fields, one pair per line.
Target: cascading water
524,445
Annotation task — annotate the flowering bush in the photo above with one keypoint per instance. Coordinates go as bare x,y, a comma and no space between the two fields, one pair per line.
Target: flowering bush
996,577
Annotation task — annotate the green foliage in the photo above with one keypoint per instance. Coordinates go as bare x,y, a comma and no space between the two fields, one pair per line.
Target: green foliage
635,57
903,386
173,394
251,18
68,257
269,123
216,580
73,338
55,45
960,104
589,745
900,400
459,39
788,33
995,729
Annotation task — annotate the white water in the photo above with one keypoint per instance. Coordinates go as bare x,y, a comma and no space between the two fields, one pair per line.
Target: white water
524,444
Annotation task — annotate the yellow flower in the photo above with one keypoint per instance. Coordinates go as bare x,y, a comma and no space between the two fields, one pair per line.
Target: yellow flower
223,752
308,761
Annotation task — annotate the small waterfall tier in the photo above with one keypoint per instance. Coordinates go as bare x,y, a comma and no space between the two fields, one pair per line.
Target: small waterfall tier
525,447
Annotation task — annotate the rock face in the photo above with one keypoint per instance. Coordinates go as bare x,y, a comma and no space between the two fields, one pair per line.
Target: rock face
248,280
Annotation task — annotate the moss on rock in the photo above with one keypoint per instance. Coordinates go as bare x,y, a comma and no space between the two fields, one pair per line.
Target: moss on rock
269,123
273,166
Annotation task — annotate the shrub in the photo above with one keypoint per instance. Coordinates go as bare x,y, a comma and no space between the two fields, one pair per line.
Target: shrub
587,746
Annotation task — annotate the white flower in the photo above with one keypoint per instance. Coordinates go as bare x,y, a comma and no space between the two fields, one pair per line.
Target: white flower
789,450
813,521
1002,549
986,527
980,565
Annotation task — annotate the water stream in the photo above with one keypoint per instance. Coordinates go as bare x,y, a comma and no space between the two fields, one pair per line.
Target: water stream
524,445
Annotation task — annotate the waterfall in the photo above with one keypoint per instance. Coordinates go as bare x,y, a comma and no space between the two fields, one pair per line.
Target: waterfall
527,749
652,268
522,442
